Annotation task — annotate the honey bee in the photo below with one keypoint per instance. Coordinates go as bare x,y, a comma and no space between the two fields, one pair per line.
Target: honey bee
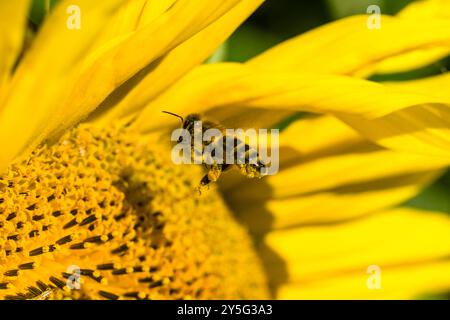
252,167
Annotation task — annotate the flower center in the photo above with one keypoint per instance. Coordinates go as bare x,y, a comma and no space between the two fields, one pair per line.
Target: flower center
101,214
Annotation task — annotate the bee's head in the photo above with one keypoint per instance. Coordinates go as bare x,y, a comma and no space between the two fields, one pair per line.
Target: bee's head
191,119
186,123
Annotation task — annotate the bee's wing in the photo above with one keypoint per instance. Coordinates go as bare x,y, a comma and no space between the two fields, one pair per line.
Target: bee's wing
212,125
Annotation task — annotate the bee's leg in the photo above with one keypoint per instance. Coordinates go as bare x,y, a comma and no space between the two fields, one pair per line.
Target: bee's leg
212,176
255,170
204,183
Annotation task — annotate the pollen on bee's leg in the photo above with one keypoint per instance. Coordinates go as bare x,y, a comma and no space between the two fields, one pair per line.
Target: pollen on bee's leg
119,221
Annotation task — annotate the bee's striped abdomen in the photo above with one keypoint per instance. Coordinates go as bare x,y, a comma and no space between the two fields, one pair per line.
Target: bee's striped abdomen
247,159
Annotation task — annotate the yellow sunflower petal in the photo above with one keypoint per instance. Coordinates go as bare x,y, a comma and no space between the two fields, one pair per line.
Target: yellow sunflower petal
400,238
411,282
430,86
429,9
13,16
134,15
237,86
36,91
419,11
109,68
330,206
347,46
247,117
322,136
303,140
324,139
420,129
180,60
356,167
412,60
183,20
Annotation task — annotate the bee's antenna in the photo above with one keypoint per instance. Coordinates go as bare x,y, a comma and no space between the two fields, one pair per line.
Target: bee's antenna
175,115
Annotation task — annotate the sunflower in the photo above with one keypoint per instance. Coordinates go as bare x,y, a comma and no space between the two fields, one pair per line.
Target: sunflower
89,196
